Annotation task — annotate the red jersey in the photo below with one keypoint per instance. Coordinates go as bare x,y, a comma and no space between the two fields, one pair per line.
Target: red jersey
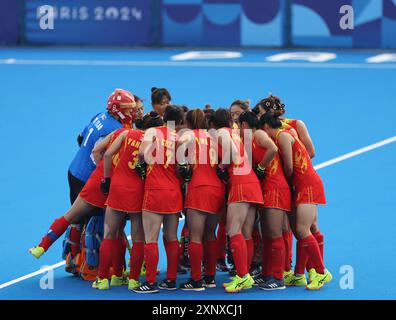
125,172
240,169
91,191
303,170
204,161
274,174
161,171
292,123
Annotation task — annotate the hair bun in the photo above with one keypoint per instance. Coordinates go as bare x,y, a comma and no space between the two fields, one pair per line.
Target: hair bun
153,89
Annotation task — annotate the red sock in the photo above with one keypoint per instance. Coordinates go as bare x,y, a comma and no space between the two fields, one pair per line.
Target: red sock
222,240
118,260
267,258
151,256
250,252
313,252
320,240
211,256
105,257
301,259
195,251
288,241
75,238
172,259
136,260
55,231
239,253
278,257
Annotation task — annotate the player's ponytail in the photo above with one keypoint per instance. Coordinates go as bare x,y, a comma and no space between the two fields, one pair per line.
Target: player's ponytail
271,104
271,119
196,119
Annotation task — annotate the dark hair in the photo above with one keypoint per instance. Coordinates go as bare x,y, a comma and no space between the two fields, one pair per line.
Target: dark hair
250,118
272,119
158,93
256,109
209,112
196,119
152,119
185,109
174,113
221,118
137,99
271,104
244,105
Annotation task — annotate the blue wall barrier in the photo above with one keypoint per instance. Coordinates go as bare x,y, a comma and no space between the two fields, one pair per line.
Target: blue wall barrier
223,22
262,23
91,22
316,23
9,21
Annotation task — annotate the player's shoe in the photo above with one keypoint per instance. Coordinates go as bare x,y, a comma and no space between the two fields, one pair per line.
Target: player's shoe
167,285
209,282
297,281
192,285
221,265
311,274
37,252
147,288
273,284
133,284
287,275
319,280
260,279
118,281
101,284
226,284
240,284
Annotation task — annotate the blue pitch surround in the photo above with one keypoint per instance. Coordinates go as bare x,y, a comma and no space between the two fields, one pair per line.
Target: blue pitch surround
45,101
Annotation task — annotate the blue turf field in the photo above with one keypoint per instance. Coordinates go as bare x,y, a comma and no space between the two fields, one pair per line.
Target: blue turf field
48,95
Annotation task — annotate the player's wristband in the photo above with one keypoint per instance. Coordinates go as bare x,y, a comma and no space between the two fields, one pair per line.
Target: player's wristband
105,185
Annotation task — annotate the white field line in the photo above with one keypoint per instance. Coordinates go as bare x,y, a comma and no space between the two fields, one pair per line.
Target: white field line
317,167
206,64
355,153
